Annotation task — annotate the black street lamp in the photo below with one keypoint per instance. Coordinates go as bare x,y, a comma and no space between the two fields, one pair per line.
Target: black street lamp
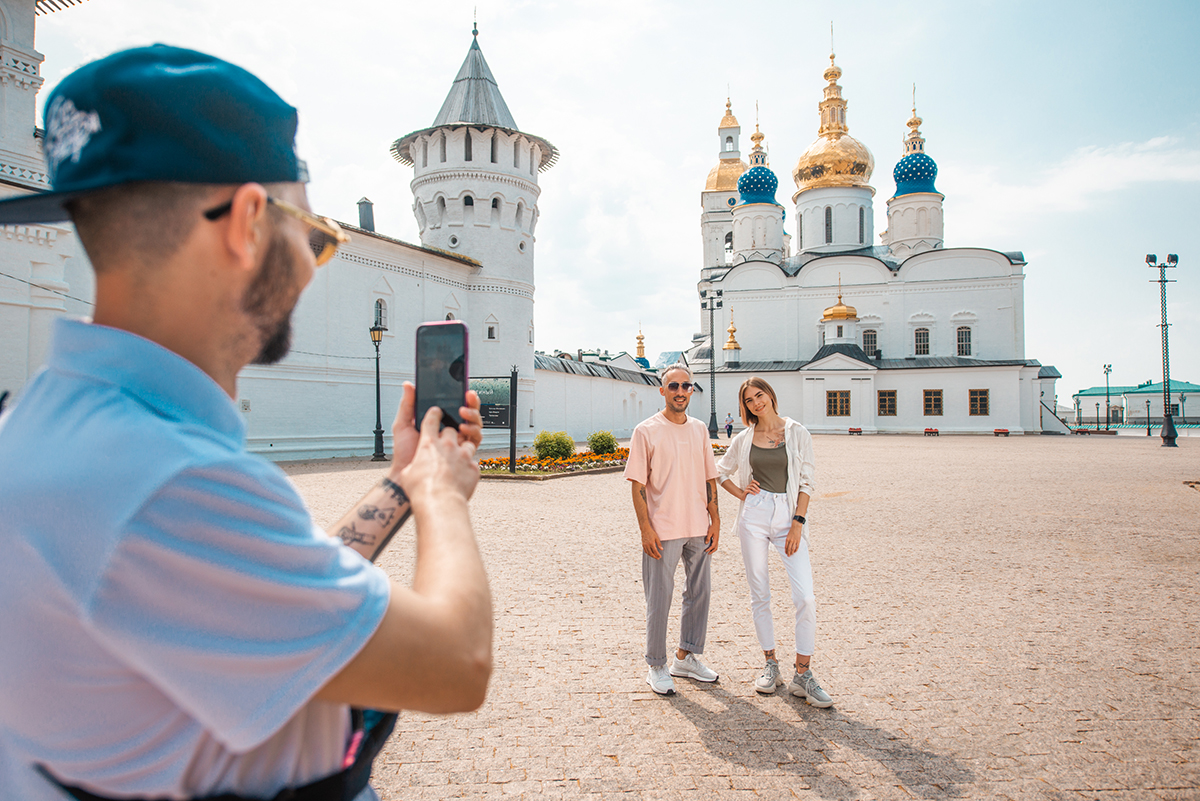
377,337
711,300
1107,405
1182,409
1078,414
1097,415
1147,417
1168,429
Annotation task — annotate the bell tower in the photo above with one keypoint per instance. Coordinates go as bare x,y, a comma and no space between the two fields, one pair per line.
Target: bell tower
475,193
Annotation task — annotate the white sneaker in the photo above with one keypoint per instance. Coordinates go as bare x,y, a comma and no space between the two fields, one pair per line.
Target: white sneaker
805,685
660,680
691,667
769,679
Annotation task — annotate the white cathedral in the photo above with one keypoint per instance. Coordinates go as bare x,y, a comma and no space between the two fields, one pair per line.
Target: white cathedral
949,322
899,337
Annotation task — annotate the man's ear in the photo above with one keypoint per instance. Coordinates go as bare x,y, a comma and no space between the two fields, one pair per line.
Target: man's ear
246,234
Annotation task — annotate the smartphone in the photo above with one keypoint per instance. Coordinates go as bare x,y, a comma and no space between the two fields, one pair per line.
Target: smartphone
441,374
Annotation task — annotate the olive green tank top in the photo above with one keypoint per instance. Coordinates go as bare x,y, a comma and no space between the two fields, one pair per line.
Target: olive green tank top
769,466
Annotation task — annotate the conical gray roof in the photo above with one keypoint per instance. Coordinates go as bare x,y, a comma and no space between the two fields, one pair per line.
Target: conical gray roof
474,97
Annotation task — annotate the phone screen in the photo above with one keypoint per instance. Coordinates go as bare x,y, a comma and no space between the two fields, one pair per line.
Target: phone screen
441,369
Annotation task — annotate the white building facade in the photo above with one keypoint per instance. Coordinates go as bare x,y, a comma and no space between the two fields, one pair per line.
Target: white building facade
475,198
935,337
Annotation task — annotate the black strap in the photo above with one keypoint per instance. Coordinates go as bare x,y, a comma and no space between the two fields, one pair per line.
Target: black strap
344,785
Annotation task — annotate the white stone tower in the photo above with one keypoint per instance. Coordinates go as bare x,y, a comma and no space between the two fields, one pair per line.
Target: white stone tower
833,191
915,222
719,197
475,192
757,216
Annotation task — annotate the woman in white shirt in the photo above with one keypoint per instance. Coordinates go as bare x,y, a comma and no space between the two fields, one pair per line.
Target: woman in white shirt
769,467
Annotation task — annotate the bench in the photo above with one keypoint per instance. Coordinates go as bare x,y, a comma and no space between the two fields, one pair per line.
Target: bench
1000,432
856,431
931,432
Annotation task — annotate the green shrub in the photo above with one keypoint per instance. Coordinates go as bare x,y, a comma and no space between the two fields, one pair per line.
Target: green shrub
602,442
557,445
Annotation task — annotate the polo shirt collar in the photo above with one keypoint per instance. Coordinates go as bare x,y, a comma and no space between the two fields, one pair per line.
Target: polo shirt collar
161,379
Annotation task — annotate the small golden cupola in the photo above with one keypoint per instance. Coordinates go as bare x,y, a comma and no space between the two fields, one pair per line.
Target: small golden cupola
641,345
840,311
732,351
724,176
836,158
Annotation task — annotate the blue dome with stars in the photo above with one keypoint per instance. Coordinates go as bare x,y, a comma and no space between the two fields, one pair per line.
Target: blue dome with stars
915,173
758,185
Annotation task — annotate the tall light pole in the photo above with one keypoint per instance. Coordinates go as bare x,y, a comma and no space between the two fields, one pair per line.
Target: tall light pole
1168,429
377,337
1107,405
711,300
1097,415
1182,408
1147,417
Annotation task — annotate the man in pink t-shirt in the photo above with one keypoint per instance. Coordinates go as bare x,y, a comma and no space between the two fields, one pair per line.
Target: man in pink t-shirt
674,478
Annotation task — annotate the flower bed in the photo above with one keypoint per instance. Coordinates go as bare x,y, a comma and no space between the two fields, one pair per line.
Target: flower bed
580,462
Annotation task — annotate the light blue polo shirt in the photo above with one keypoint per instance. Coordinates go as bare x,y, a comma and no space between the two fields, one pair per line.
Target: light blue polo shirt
168,609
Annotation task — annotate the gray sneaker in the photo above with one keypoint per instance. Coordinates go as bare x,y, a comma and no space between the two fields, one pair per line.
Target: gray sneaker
769,679
690,667
805,685
660,680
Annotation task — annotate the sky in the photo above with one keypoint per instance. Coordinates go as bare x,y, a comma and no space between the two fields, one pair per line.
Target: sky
1067,130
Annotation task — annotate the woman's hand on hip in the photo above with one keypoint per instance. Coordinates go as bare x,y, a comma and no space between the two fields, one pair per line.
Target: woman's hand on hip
751,489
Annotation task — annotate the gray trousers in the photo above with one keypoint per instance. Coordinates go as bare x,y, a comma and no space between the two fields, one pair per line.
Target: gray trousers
658,580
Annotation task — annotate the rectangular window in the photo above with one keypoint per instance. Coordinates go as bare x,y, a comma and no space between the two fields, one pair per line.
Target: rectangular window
839,331
887,403
964,341
491,332
1174,409
870,342
933,403
921,341
837,403
979,403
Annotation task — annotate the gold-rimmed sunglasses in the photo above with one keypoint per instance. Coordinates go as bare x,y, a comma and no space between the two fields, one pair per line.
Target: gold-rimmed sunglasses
325,235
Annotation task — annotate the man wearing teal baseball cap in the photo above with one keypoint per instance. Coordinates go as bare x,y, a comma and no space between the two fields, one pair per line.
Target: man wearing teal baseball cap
175,626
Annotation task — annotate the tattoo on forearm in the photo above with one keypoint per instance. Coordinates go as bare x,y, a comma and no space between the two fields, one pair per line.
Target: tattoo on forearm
642,492
395,490
382,516
352,536
708,488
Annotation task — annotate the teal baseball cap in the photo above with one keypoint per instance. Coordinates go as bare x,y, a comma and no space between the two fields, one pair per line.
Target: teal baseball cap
159,113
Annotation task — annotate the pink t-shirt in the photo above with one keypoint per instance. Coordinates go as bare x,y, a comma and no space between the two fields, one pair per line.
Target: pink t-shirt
673,461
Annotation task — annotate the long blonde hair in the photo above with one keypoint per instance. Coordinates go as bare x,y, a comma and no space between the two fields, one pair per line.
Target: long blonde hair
754,381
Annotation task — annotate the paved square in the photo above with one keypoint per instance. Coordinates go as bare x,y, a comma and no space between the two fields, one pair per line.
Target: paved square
998,618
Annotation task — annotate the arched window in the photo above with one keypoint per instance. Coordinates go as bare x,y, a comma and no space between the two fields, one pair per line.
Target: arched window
729,248
862,225
467,144
449,315
870,342
381,312
520,215
729,144
495,211
828,225
494,147
425,153
799,231
442,144
964,341
441,211
468,210
921,341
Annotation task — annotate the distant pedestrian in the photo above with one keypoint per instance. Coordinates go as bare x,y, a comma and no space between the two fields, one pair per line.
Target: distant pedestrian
729,426
770,468
673,475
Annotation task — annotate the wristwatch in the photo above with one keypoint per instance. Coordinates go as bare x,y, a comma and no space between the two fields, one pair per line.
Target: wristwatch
799,519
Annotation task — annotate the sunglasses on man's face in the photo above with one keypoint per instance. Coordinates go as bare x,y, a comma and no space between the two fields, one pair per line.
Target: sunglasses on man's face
324,236
675,386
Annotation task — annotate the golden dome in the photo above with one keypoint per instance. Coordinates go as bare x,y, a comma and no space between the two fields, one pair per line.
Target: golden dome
836,158
729,121
840,312
724,176
732,344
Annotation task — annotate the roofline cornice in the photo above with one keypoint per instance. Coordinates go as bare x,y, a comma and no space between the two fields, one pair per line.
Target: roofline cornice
400,148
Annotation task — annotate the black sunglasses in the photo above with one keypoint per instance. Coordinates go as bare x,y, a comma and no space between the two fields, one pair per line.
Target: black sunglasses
675,386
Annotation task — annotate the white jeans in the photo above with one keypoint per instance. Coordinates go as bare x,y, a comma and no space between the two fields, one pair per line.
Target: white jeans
766,518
